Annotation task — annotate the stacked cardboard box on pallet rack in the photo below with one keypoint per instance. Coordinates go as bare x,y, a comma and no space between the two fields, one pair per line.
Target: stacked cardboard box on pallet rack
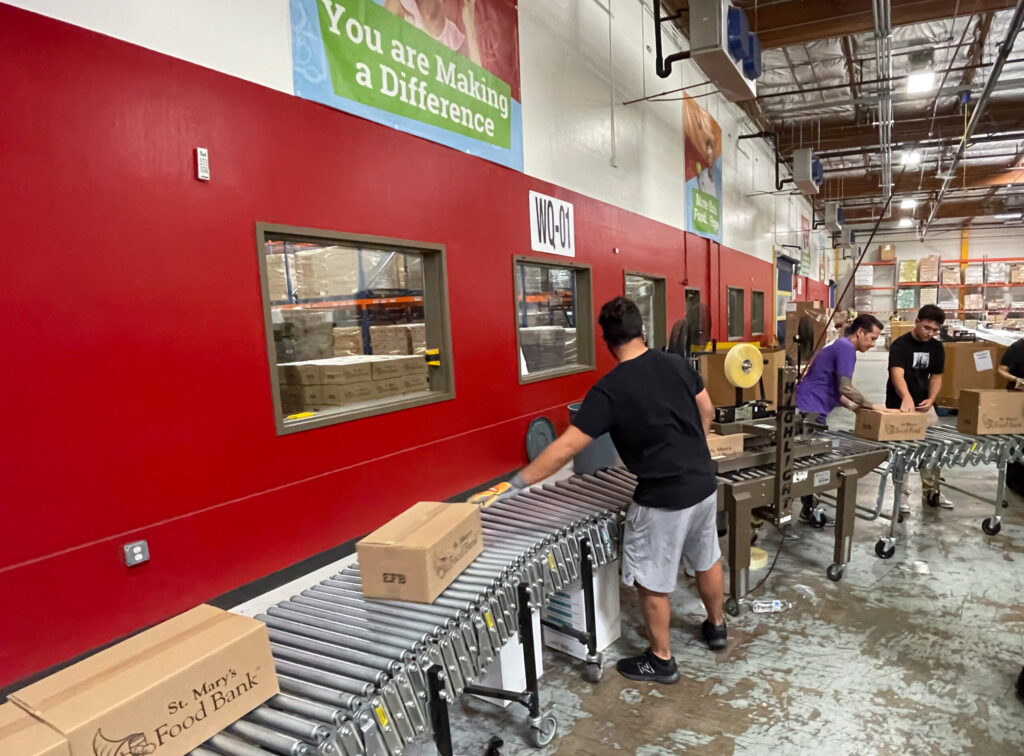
342,381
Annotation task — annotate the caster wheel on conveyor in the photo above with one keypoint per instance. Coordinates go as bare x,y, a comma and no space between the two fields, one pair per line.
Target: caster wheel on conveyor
818,520
593,673
991,525
884,549
835,572
544,733
732,607
899,518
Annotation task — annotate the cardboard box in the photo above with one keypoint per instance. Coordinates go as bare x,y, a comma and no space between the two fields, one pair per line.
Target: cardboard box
990,411
419,553
299,373
311,396
969,365
1017,273
348,341
277,278
355,392
24,735
389,339
161,692
725,446
344,370
950,274
292,400
886,253
891,426
393,366
929,270
898,328
413,383
907,271
387,387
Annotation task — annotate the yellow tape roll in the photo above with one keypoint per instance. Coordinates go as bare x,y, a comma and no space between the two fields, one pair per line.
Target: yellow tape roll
744,365
758,558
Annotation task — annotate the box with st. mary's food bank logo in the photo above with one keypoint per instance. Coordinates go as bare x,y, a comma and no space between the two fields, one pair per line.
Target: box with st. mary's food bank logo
161,692
419,553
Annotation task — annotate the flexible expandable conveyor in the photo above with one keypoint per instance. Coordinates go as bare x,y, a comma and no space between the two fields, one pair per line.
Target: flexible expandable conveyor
366,677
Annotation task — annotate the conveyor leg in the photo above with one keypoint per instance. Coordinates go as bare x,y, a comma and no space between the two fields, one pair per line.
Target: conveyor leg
739,555
439,711
992,525
846,518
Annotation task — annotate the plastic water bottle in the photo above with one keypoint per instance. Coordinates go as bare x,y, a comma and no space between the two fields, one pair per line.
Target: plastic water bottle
768,606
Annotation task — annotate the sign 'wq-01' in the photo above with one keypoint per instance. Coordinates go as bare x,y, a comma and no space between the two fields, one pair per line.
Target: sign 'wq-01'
551,225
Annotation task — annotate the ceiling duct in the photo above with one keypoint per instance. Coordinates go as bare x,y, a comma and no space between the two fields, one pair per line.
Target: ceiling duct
723,47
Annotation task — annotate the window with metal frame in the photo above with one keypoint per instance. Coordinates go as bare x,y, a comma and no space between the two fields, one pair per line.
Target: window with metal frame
757,313
554,318
735,314
356,325
648,292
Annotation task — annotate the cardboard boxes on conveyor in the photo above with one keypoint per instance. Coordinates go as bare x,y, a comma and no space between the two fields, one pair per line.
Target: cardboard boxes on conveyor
163,691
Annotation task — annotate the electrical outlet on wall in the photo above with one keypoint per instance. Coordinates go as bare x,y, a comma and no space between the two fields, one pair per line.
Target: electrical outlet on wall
136,552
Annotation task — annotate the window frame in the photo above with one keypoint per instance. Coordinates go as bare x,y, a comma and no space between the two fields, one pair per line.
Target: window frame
436,312
743,311
659,338
763,319
584,325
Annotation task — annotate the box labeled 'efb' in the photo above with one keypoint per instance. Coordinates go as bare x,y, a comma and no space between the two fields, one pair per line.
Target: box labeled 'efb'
159,693
419,553
994,411
891,426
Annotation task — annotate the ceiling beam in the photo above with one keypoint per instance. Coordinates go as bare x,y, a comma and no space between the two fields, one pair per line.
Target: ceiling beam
977,49
869,185
795,21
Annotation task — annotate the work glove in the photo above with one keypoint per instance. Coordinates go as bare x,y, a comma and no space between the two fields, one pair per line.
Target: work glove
500,492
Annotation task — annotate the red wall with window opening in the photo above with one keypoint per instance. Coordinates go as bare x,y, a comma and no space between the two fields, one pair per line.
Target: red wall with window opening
137,394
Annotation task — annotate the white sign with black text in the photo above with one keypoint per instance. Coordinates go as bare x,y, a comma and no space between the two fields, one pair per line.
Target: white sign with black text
551,225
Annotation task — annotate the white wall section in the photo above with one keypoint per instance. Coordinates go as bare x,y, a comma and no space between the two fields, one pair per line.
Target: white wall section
576,70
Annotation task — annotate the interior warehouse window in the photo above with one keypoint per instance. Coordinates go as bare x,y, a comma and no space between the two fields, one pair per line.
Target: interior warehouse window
648,292
756,313
554,319
735,314
356,326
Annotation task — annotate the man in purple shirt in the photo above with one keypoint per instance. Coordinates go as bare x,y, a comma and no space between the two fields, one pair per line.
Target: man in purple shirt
828,383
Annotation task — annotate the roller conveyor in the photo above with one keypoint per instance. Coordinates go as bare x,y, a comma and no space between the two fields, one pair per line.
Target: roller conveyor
366,677
826,461
944,447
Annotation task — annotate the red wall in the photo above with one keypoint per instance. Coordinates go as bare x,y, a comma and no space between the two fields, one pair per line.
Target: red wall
137,398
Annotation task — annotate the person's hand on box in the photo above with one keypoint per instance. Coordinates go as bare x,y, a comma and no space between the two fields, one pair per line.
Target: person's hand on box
925,405
907,405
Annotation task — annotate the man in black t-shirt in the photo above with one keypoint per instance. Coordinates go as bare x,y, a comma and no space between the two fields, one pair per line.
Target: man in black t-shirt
916,363
1011,366
658,412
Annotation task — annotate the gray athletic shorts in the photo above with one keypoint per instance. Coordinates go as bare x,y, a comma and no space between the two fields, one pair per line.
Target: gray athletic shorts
655,540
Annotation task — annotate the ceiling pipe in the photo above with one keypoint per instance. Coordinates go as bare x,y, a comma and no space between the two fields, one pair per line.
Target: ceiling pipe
883,66
979,110
1008,136
663,66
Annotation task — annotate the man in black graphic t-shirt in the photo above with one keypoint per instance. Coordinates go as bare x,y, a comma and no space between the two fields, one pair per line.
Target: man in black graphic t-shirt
1011,366
916,363
658,412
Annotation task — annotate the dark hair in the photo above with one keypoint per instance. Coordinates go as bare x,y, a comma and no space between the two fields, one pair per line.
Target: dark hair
864,322
620,321
933,313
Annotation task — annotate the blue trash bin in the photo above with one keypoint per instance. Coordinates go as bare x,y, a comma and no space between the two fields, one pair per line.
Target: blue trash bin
598,453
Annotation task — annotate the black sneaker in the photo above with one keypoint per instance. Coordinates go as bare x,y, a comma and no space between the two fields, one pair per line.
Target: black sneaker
1020,684
714,635
648,668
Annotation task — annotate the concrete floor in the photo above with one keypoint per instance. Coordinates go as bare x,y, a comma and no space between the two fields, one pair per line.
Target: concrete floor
915,655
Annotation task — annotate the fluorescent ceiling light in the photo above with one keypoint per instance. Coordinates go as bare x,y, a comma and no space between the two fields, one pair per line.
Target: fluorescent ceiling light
1009,216
922,81
906,222
910,157
908,204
